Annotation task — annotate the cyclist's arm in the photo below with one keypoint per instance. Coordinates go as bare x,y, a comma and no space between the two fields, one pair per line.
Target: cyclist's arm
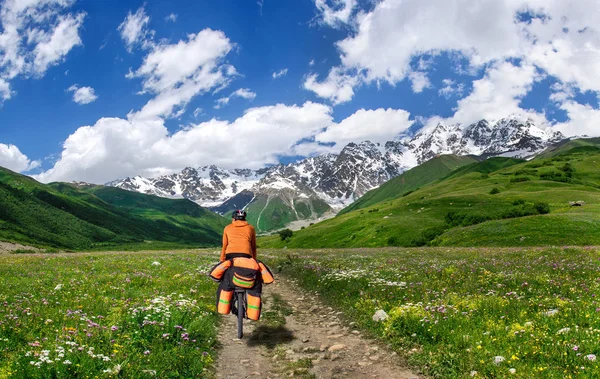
225,242
253,244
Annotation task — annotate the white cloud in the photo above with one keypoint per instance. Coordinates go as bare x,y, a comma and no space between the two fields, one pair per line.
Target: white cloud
280,73
419,81
498,94
451,89
378,125
114,147
34,36
311,63
82,95
177,72
583,119
172,18
134,30
338,87
12,159
244,93
335,13
558,37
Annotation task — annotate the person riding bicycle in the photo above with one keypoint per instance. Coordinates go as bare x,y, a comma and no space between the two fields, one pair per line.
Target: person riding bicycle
239,238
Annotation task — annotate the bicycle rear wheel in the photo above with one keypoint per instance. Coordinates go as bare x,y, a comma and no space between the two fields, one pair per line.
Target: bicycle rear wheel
241,308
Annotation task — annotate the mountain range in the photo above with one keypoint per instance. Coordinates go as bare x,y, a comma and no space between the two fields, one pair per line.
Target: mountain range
318,187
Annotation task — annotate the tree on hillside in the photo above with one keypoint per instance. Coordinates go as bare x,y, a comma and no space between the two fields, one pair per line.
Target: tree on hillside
286,234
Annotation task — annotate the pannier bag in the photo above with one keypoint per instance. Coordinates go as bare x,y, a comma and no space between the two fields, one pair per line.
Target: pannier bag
253,307
267,275
245,271
218,270
224,301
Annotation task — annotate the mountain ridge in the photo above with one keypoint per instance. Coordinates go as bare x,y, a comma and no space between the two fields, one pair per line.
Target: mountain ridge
340,179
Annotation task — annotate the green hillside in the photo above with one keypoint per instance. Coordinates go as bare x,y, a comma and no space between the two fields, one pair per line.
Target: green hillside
275,212
60,215
474,206
411,180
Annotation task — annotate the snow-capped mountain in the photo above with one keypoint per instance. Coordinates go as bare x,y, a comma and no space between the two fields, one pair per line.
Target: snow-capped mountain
208,186
337,180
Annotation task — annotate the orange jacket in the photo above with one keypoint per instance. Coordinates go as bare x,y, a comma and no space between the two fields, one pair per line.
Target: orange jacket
239,237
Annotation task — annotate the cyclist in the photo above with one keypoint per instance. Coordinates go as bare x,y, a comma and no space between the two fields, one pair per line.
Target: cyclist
239,238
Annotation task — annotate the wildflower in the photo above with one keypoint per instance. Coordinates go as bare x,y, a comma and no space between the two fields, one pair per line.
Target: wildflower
114,328
67,362
473,373
512,371
563,331
58,287
575,348
499,359
590,357
155,263
551,312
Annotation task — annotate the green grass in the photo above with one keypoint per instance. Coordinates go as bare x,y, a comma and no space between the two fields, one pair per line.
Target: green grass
422,216
411,180
62,216
77,315
453,312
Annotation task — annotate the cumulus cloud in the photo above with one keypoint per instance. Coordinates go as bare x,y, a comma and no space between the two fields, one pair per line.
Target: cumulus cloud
338,87
115,147
34,36
244,93
134,30
280,73
82,95
553,36
419,81
177,72
12,159
172,17
335,13
378,125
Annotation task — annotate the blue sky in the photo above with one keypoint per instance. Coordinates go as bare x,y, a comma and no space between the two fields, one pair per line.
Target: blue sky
98,90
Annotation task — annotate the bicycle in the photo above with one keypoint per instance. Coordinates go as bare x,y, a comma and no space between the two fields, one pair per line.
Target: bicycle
240,306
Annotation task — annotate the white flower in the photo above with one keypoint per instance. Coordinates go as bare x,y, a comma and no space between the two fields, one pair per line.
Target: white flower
499,359
67,362
512,371
380,315
473,373
58,287
563,331
551,312
155,263
590,357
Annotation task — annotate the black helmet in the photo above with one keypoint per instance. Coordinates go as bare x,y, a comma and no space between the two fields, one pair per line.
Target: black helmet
239,214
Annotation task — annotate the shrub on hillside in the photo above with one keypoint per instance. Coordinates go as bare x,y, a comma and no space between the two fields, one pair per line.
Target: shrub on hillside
542,208
286,234
428,235
520,179
494,191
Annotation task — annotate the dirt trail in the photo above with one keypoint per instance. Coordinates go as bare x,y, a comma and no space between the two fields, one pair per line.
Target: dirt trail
300,337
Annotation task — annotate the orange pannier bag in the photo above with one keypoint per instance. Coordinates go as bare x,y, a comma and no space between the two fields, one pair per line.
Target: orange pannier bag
267,275
224,302
244,272
253,307
217,272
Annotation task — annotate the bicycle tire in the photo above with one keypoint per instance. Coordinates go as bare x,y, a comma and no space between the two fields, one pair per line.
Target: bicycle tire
241,311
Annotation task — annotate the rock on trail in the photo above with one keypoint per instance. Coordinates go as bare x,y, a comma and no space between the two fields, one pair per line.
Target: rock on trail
300,337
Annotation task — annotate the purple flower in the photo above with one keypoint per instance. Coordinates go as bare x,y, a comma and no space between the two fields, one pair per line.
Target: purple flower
114,328
575,348
147,352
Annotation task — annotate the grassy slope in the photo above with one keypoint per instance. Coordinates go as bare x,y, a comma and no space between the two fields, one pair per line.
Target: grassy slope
401,221
275,213
59,215
411,180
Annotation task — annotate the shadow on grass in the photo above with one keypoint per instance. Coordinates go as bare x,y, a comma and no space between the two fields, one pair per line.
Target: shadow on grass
270,336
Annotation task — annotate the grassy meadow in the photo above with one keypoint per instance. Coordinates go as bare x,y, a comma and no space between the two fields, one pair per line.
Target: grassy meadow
106,315
464,312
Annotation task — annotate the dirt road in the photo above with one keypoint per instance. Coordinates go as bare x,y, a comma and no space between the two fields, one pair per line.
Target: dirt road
300,337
